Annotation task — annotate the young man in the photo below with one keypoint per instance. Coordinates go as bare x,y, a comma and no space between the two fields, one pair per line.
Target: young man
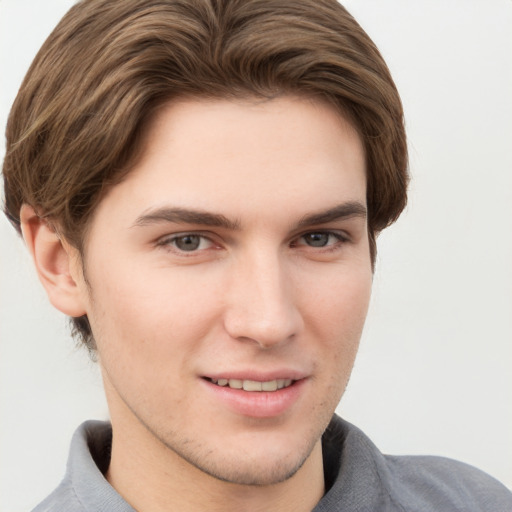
200,185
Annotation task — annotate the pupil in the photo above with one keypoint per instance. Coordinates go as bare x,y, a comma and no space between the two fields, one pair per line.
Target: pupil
317,239
188,242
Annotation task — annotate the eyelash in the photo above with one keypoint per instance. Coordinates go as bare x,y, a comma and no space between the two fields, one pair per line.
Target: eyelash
168,242
341,239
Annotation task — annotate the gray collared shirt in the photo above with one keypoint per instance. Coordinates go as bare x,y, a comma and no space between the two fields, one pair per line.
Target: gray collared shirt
358,478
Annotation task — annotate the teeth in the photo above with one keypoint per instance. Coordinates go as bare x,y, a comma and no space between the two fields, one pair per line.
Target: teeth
235,384
269,386
253,385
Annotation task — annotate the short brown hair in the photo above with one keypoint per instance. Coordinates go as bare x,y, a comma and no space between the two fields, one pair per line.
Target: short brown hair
78,117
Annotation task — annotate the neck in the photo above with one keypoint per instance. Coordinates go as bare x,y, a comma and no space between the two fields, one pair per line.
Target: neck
151,477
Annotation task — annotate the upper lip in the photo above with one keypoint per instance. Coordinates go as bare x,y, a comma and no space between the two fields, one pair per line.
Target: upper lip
258,375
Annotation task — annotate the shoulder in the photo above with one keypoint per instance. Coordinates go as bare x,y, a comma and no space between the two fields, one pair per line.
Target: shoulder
360,478
62,498
438,483
84,487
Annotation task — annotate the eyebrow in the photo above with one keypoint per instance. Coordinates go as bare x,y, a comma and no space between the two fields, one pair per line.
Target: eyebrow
190,216
342,211
186,216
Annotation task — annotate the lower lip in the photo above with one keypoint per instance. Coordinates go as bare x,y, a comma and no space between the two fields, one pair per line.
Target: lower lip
257,404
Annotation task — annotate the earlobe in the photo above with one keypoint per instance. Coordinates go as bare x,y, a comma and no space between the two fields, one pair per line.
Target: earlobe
55,263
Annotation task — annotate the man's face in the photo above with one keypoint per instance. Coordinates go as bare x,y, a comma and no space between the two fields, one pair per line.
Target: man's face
234,254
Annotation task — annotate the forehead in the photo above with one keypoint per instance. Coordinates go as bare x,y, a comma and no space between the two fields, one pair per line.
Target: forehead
244,157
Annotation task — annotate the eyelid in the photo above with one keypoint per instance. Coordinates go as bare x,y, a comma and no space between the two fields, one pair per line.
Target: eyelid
166,241
339,234
335,249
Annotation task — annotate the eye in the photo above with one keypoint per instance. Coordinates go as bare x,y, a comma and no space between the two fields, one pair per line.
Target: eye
317,239
188,242
320,239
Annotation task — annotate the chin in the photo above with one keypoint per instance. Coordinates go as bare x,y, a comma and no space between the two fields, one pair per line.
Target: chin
254,473
259,464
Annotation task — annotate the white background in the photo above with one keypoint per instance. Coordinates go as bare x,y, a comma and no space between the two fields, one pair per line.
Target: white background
434,371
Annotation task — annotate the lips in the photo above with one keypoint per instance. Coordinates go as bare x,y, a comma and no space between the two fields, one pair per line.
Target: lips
256,394
253,385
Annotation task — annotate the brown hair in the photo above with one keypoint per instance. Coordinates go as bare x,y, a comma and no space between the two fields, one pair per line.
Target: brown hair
76,122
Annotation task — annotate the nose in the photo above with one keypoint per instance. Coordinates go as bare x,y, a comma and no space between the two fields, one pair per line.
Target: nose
262,305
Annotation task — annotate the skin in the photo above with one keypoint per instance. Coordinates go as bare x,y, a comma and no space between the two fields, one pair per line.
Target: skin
262,286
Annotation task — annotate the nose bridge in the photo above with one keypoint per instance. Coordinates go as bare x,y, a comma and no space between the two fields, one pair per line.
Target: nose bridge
262,302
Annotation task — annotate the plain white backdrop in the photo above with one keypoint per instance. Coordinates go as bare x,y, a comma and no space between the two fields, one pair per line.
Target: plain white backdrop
434,370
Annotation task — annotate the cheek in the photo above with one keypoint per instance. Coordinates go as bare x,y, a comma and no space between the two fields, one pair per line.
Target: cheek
340,303
337,318
158,311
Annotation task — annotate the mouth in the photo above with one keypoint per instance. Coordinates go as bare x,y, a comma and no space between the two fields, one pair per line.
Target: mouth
253,385
260,396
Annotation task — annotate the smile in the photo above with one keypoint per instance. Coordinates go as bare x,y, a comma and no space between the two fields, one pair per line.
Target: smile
253,385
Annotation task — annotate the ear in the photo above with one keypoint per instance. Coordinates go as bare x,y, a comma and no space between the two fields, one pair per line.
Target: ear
57,263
